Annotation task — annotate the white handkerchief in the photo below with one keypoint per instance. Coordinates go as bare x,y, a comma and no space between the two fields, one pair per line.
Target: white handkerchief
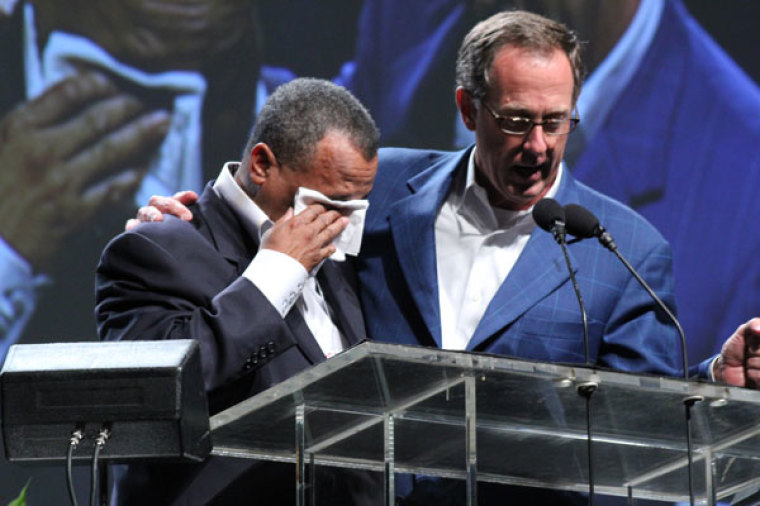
177,164
349,241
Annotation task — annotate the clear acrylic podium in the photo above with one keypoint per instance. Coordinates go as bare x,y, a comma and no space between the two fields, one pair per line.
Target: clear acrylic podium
479,417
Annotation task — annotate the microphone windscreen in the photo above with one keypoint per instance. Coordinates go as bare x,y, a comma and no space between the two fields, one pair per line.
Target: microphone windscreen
580,222
547,212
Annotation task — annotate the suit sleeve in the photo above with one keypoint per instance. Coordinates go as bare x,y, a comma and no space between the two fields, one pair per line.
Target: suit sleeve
151,290
638,336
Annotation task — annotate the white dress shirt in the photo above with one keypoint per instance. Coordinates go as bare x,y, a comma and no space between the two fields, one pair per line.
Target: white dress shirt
281,278
476,245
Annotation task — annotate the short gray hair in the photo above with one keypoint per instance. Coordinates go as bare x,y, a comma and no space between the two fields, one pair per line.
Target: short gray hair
513,28
299,114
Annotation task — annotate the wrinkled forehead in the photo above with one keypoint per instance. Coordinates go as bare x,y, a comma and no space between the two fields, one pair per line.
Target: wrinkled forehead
538,54
530,79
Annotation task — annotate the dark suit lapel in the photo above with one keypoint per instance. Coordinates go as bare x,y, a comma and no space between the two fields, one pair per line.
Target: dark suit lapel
539,271
218,221
342,299
412,222
304,338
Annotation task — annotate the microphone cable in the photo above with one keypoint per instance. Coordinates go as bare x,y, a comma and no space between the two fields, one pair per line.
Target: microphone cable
583,224
550,216
76,437
100,442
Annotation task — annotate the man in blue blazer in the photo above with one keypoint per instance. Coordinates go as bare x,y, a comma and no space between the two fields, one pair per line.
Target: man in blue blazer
254,285
669,128
451,255
534,313
518,79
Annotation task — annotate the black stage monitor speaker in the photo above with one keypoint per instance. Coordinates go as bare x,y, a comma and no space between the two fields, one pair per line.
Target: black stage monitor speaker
149,394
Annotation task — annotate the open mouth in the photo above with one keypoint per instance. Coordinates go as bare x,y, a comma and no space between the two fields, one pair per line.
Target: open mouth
531,172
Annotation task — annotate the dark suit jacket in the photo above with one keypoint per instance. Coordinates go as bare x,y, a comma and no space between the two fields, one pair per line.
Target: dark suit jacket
183,280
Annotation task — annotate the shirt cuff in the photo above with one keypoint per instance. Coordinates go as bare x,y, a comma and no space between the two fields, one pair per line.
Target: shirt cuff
711,369
279,277
18,295
16,273
14,269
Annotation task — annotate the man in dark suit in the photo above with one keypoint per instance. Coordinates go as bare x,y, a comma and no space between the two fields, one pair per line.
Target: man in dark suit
253,283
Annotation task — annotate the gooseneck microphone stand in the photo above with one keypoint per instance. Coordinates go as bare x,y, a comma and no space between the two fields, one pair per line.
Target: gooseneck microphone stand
550,216
583,224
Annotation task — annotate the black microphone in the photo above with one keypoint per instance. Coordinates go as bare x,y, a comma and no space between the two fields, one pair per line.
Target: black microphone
583,224
549,215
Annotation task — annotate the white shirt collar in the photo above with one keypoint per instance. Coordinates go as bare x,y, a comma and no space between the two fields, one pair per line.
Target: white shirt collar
479,208
252,216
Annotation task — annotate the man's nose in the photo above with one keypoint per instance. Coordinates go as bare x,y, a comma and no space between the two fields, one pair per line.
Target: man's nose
535,141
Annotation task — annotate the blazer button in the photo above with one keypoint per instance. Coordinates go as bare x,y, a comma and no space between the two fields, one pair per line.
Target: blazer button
251,361
271,347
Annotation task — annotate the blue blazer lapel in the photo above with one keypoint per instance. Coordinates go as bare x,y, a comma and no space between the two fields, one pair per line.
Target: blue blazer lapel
412,224
539,271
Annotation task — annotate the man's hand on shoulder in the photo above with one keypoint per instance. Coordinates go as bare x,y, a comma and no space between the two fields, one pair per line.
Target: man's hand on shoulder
175,205
739,361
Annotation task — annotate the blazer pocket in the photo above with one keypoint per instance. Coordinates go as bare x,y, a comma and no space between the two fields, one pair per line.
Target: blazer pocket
557,329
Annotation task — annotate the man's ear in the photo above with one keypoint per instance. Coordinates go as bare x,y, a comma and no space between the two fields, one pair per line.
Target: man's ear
262,162
466,106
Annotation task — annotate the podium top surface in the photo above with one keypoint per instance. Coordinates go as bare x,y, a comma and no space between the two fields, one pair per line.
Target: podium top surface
94,355
530,419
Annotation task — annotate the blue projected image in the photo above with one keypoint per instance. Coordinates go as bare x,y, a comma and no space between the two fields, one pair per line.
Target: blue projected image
102,108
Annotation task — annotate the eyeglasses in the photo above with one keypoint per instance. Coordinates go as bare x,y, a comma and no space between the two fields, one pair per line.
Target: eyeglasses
520,125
